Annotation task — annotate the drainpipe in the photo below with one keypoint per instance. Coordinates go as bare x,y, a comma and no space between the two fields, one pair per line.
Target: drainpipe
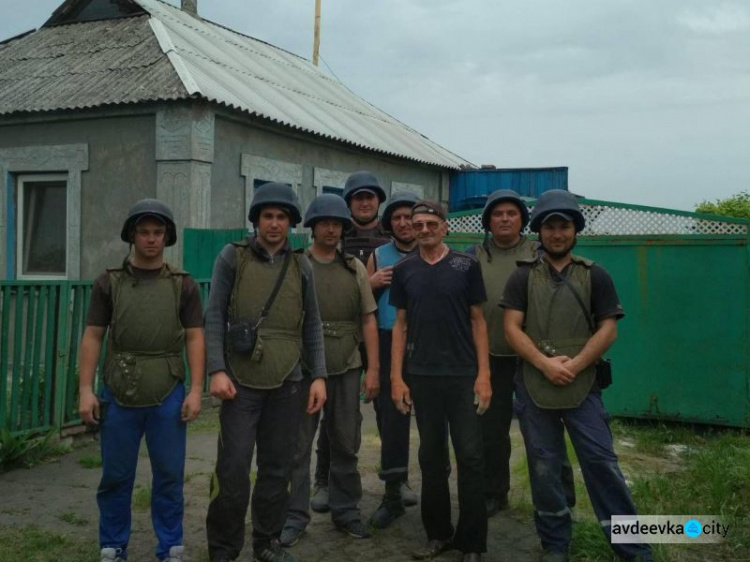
189,6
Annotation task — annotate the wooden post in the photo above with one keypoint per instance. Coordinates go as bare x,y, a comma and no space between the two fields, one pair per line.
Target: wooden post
316,40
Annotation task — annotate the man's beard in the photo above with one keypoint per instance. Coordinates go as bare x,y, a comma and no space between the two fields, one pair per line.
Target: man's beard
401,240
560,255
363,222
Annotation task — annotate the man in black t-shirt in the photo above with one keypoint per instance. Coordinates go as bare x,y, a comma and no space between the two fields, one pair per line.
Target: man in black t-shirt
561,315
441,331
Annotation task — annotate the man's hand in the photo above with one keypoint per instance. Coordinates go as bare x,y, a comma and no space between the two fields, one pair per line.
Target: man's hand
482,394
221,386
317,396
191,407
88,407
556,370
371,384
381,278
401,396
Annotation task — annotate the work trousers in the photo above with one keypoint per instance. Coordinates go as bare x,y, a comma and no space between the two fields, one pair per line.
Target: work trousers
588,428
445,404
345,432
121,431
269,419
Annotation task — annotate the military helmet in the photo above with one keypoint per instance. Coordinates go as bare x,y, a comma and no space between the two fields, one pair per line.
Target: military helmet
501,196
557,202
403,199
275,195
362,180
152,208
328,206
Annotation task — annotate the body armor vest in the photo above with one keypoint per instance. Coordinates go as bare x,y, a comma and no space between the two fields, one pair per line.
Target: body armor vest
361,243
556,324
495,273
279,339
339,301
146,338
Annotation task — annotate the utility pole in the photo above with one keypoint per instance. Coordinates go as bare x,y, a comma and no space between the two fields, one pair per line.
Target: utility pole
316,40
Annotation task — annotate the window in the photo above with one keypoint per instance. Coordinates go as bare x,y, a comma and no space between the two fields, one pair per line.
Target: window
41,233
335,190
257,182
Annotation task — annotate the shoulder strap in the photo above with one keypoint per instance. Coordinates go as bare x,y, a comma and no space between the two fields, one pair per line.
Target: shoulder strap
279,281
579,299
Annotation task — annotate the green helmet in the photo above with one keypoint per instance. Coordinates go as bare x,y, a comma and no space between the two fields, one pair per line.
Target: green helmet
149,208
328,206
558,202
500,196
362,180
275,194
404,199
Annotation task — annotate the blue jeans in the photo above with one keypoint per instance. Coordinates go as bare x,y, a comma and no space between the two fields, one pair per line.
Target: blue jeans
588,427
443,404
121,431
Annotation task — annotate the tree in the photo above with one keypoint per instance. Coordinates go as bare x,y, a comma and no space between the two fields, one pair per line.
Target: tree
737,205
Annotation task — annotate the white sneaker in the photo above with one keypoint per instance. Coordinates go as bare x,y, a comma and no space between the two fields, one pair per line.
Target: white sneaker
111,555
176,554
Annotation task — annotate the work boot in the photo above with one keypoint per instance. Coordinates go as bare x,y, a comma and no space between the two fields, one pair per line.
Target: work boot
554,556
111,555
175,554
433,548
319,500
408,495
272,552
391,508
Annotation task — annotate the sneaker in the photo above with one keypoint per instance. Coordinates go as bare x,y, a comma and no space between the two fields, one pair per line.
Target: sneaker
319,500
175,554
408,496
272,552
290,536
355,529
386,514
111,555
554,556
432,549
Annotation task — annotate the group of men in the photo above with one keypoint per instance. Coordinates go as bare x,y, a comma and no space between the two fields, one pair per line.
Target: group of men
439,333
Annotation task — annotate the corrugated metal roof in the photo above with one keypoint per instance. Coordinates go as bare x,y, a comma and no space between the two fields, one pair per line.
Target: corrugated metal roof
86,65
174,55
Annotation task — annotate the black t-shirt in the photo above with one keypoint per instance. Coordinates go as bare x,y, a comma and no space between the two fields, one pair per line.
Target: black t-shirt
438,299
604,300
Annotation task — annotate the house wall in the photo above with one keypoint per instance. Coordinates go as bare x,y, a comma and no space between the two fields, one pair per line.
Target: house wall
121,169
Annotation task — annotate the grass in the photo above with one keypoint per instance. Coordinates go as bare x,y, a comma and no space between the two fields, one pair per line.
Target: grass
27,450
90,461
206,422
73,519
32,544
141,498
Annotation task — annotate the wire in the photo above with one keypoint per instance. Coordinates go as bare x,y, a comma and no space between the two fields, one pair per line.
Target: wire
329,67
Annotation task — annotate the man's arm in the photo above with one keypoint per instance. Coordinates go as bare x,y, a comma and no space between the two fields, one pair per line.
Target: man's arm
482,386
399,391
196,357
372,376
312,340
91,345
598,344
554,368
379,278
222,283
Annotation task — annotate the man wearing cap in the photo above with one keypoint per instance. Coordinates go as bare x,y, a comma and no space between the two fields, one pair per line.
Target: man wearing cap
153,312
347,309
262,313
440,330
561,315
392,425
504,217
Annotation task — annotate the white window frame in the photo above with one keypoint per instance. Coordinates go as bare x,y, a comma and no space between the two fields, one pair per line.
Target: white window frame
21,181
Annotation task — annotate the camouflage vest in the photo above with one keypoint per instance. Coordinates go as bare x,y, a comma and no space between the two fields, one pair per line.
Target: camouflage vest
495,273
144,348
555,322
279,340
339,301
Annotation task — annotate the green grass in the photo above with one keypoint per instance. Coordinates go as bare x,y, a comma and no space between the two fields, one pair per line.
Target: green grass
32,544
73,519
206,422
141,498
27,450
90,461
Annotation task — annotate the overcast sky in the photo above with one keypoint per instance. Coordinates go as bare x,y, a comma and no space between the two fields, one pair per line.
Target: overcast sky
645,101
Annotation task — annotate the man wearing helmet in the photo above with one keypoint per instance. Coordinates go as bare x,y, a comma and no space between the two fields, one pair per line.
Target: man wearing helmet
347,309
393,427
261,315
152,311
504,217
561,315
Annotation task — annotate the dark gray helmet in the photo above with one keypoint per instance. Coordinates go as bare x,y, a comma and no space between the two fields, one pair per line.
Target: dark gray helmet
276,195
328,206
500,196
404,199
362,180
558,202
153,208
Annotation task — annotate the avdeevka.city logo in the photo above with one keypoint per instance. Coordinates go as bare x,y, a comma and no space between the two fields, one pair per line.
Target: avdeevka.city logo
667,529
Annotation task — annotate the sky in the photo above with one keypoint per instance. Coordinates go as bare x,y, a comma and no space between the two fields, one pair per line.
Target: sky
646,102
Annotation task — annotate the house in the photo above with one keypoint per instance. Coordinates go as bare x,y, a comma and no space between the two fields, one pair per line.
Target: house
111,101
